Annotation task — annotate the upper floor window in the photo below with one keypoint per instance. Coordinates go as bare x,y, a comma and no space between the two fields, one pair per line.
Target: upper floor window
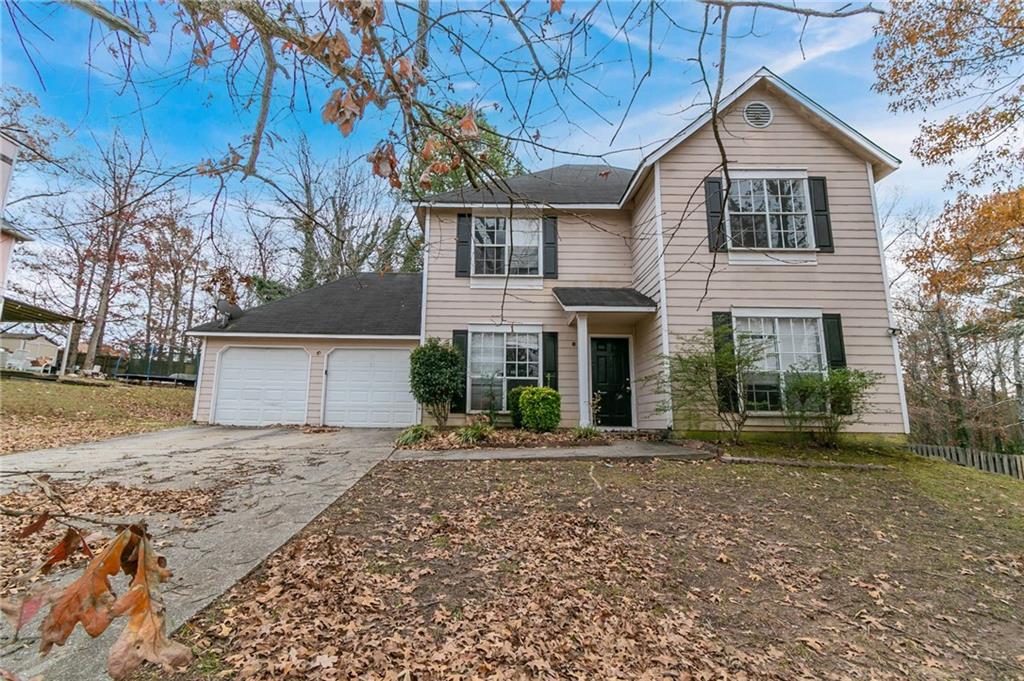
503,249
769,213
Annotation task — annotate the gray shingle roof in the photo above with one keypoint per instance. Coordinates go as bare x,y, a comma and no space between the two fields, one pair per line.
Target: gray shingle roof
599,296
358,305
573,184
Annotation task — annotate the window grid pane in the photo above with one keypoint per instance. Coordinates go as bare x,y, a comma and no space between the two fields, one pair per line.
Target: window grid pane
768,213
799,346
499,248
489,254
500,361
789,344
522,355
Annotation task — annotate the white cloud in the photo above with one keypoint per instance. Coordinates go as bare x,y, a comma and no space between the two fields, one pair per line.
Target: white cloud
824,38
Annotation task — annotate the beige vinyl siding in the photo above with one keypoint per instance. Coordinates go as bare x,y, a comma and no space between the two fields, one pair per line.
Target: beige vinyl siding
647,349
593,250
317,349
849,282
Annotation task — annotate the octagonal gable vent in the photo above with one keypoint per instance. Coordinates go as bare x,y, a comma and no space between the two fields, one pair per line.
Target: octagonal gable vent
758,115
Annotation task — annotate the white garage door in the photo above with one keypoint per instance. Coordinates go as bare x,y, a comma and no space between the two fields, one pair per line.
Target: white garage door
261,386
368,388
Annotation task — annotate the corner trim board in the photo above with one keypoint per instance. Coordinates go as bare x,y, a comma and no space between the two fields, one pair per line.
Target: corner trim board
662,282
904,411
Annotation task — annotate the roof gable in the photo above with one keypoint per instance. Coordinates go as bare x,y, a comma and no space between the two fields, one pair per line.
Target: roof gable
882,161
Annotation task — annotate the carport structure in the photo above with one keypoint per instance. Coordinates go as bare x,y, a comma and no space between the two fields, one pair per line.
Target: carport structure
18,312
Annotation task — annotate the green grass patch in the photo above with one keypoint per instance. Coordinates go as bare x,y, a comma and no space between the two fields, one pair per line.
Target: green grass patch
38,414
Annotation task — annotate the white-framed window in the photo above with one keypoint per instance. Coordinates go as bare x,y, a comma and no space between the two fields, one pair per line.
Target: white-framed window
498,362
769,213
505,246
789,344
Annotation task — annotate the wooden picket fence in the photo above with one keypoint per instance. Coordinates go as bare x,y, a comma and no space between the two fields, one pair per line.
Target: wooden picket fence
990,462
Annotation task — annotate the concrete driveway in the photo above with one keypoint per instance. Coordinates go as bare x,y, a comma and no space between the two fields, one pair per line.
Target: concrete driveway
274,481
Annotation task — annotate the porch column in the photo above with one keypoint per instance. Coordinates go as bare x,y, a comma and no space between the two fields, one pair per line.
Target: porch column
583,366
67,350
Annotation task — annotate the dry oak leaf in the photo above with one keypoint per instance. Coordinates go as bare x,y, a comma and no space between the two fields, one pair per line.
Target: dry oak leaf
20,610
468,126
145,636
88,598
35,525
69,543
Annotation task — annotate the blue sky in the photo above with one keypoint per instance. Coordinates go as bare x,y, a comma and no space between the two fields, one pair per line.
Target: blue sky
188,122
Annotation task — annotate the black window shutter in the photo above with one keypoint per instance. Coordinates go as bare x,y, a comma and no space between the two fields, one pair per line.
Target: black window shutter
550,368
835,353
835,349
728,390
819,212
716,223
463,237
550,247
460,341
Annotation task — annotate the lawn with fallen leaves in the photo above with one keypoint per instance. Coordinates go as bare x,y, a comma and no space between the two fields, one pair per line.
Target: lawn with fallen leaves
39,414
638,570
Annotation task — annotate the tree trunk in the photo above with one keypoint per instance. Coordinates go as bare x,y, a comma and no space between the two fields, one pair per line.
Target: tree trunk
956,402
422,34
1018,381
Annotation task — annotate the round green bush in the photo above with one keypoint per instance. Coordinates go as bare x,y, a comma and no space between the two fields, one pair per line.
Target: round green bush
541,409
436,376
513,406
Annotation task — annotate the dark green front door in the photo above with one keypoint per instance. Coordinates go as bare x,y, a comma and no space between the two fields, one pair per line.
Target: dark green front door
609,367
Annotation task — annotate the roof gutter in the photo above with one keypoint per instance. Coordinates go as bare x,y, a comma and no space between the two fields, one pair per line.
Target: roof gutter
539,206
256,334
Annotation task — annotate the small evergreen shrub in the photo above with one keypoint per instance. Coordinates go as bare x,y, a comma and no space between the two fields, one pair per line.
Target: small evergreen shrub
541,409
413,435
436,376
474,433
513,406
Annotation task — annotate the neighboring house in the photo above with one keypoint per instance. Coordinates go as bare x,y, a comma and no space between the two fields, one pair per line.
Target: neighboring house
597,272
38,348
15,311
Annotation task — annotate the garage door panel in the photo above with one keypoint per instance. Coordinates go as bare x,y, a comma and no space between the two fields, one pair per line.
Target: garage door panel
262,386
369,388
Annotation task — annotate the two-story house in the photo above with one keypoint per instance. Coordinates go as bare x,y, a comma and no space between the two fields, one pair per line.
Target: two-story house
586,277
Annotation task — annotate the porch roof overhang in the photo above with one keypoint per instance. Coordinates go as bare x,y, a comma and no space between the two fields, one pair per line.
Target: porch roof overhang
22,312
603,299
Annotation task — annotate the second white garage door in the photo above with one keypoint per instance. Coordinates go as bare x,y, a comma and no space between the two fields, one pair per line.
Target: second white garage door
368,388
261,386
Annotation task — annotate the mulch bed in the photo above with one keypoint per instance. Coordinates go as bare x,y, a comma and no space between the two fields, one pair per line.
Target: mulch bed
510,438
639,570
